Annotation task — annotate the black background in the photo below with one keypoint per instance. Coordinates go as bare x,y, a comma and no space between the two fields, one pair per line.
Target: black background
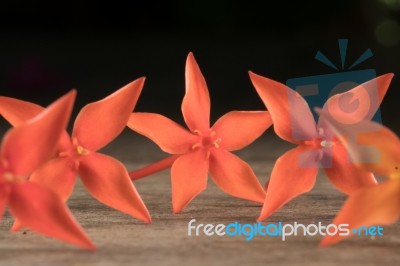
48,48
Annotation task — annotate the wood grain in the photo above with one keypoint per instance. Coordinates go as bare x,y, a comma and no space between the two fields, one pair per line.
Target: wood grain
122,240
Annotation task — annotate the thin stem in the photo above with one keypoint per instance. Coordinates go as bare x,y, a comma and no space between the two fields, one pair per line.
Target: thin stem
153,168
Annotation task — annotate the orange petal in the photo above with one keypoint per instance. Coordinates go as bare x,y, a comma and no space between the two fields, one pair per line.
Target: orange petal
344,174
290,113
371,146
17,111
196,103
58,175
42,210
108,181
17,225
188,178
238,129
234,176
100,122
167,134
31,144
378,205
294,173
360,103
65,142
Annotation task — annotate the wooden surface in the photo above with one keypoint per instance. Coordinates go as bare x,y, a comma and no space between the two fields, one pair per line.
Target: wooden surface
122,240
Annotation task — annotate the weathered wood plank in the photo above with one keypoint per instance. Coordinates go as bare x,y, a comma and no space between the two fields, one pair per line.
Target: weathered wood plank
122,240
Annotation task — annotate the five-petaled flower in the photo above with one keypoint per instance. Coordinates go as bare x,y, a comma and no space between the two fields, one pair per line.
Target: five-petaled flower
295,171
204,148
23,149
377,149
96,125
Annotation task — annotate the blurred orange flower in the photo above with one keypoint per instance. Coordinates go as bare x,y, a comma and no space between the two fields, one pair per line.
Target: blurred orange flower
375,149
24,149
97,124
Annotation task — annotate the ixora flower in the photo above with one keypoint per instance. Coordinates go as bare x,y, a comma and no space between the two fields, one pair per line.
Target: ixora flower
375,149
295,171
96,125
203,149
23,149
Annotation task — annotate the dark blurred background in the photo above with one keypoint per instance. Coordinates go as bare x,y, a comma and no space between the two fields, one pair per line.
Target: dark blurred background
48,48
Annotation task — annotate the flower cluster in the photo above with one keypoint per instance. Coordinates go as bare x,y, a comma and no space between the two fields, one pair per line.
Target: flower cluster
40,160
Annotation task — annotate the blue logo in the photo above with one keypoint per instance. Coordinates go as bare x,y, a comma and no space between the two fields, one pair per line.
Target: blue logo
317,89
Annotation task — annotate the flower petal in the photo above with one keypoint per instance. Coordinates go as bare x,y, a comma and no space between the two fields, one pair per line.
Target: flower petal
360,103
344,174
188,178
167,134
17,111
17,225
378,205
196,103
108,181
42,210
58,174
237,129
294,173
65,142
100,122
370,145
293,120
31,144
235,176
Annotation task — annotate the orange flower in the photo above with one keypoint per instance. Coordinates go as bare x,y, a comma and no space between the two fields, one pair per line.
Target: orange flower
96,125
23,150
374,148
203,149
295,171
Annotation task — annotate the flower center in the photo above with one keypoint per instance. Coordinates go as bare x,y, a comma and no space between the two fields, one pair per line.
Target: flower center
327,144
75,152
322,139
207,141
10,177
79,150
